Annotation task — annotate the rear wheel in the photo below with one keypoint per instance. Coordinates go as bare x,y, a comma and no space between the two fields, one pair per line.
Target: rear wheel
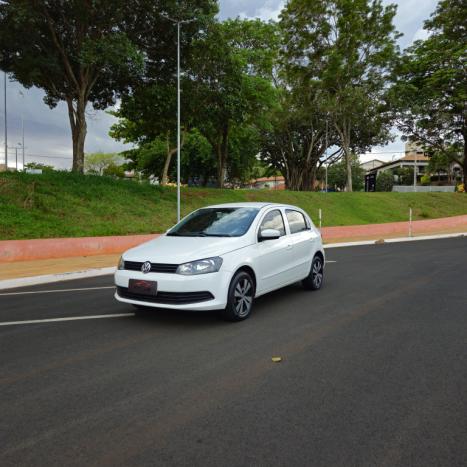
240,297
315,278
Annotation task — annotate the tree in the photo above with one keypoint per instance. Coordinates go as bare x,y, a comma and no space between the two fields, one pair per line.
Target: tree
385,181
232,69
337,174
295,142
85,52
404,175
98,162
343,51
148,115
430,85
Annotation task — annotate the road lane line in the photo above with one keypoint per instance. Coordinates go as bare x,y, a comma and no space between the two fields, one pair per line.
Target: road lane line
71,318
57,290
327,261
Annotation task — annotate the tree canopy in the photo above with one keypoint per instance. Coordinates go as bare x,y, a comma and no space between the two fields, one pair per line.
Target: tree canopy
92,51
338,54
430,85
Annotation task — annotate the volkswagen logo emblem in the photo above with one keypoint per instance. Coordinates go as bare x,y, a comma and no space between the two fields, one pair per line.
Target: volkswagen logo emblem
146,267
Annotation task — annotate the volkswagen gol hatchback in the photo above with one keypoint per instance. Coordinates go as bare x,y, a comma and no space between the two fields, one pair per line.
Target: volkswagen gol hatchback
221,258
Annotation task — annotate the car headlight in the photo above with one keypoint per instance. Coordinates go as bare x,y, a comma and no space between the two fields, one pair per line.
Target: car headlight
121,263
202,266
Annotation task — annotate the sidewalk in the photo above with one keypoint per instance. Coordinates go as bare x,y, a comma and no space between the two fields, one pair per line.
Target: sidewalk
355,233
42,267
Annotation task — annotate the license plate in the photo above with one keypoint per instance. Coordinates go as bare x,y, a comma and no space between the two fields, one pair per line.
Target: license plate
142,287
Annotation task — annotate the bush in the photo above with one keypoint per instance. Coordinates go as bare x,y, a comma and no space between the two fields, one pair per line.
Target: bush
425,180
385,181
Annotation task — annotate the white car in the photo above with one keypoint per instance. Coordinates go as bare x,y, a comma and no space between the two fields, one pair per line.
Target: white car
222,257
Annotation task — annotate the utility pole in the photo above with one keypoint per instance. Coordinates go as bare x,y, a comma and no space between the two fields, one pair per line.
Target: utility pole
6,128
22,137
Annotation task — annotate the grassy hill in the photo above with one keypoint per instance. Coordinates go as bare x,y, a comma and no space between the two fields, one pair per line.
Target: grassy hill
70,205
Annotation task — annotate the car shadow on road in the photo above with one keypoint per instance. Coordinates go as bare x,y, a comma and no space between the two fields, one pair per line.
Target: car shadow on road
273,300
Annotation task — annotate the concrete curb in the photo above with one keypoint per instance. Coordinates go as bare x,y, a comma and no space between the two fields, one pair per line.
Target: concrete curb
382,241
45,279
37,280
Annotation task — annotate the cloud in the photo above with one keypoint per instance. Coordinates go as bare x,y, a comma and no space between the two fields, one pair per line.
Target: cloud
263,9
270,10
421,34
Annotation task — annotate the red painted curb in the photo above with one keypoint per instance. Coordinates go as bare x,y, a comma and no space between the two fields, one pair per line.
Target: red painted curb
394,228
27,250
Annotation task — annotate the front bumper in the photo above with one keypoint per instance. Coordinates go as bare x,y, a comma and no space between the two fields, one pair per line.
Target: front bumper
177,291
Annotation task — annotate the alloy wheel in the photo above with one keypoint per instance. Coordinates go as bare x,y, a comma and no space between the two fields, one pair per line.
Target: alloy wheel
243,297
317,273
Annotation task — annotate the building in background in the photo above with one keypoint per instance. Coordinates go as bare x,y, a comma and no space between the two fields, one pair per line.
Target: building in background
370,165
271,183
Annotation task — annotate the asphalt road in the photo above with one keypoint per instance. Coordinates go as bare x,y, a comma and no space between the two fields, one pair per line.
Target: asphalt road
374,372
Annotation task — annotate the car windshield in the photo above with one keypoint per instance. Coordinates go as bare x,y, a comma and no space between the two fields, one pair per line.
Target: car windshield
215,222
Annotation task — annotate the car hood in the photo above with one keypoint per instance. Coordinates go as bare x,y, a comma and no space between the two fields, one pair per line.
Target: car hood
178,250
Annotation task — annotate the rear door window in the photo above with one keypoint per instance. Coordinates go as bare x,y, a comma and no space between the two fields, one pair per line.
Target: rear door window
296,220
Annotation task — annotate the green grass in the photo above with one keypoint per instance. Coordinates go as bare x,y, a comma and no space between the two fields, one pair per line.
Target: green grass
70,205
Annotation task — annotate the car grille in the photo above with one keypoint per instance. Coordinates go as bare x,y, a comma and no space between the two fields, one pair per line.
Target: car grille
167,298
155,267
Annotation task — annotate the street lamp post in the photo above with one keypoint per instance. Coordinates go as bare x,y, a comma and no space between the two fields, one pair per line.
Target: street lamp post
326,167
178,23
22,138
415,173
178,121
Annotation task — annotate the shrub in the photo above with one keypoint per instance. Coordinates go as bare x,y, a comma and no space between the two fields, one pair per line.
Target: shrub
385,181
425,180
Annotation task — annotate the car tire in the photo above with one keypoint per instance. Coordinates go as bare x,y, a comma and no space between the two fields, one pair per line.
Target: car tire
240,297
315,278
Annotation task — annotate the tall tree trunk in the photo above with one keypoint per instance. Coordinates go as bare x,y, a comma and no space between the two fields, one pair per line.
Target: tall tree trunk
77,116
294,178
170,152
344,136
464,165
168,158
348,165
222,153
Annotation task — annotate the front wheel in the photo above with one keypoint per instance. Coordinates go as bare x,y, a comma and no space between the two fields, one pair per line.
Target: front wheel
240,297
315,278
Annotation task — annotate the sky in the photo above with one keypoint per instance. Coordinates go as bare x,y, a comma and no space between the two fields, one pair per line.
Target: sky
47,131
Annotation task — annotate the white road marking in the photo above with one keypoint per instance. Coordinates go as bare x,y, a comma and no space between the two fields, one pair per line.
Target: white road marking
327,261
71,318
57,290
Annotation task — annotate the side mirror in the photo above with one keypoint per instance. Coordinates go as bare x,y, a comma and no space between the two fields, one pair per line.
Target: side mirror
269,234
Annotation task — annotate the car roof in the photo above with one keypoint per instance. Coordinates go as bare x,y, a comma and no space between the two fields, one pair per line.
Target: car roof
258,205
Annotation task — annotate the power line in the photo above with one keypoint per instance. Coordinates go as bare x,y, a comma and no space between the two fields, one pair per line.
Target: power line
69,158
